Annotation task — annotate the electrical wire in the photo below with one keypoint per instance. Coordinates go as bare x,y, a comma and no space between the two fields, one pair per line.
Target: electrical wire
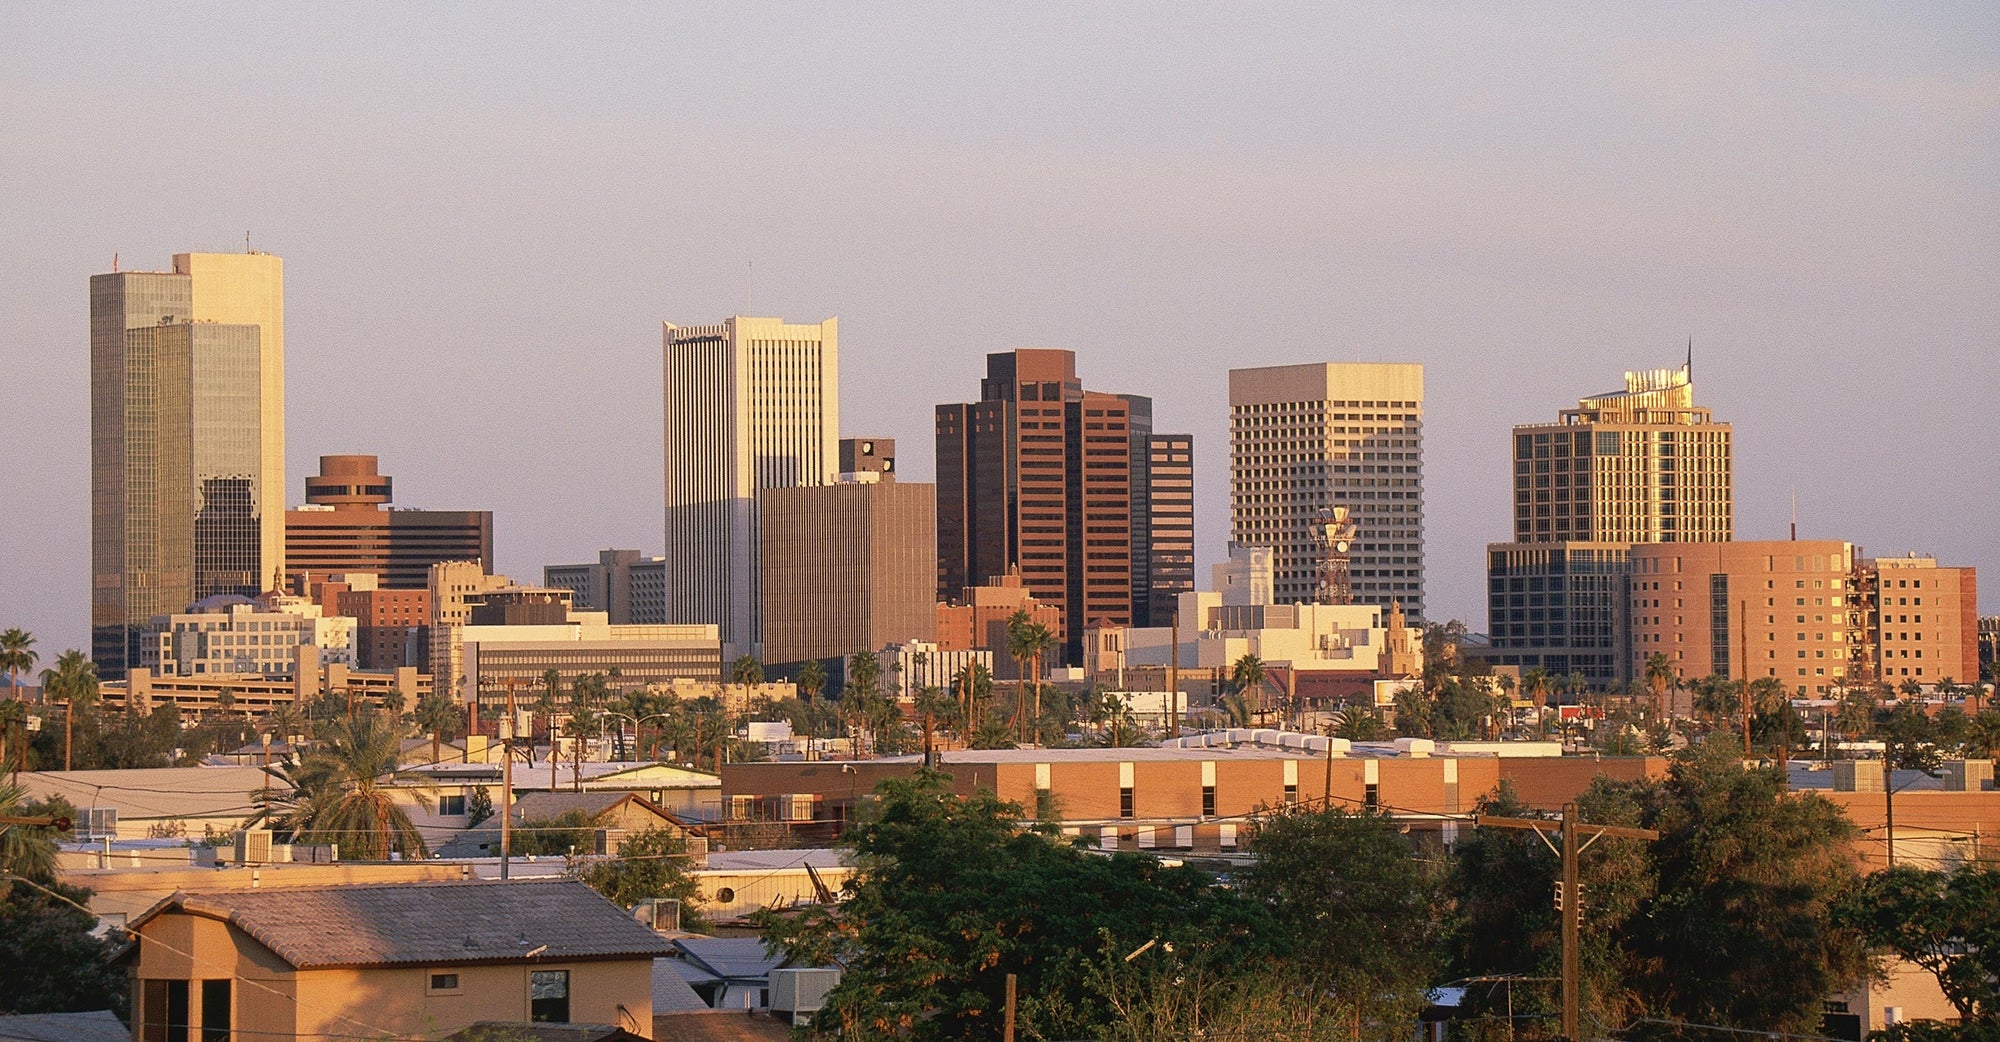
376,1031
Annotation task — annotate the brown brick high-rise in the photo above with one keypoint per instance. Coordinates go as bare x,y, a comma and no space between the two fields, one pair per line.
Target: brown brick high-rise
1044,476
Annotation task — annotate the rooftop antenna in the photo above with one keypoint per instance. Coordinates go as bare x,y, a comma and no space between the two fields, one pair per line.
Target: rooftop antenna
749,269
246,243
114,263
1689,368
1795,513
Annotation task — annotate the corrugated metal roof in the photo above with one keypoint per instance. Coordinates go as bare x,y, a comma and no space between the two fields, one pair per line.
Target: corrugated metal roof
426,923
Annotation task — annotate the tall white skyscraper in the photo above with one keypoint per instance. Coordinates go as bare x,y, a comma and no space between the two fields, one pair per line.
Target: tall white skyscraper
1333,434
751,404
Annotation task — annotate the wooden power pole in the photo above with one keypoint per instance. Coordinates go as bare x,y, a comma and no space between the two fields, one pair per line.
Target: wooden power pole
1576,836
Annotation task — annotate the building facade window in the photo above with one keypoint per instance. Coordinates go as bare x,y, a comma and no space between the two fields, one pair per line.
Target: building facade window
548,996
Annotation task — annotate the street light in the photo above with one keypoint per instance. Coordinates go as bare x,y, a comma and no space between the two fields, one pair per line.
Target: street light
638,724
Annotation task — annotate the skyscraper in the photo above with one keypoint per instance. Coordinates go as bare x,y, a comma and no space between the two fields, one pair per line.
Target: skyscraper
1067,485
346,526
1327,435
187,441
850,566
751,404
1641,465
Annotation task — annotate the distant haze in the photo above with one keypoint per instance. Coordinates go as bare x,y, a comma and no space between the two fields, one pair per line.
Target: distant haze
486,211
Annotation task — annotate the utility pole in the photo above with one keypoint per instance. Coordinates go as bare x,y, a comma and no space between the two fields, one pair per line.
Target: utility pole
507,782
1570,897
1174,673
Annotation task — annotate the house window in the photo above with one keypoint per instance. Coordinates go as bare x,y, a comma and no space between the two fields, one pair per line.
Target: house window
1208,801
163,1011
452,806
1291,794
444,984
1125,802
215,1011
548,996
1371,795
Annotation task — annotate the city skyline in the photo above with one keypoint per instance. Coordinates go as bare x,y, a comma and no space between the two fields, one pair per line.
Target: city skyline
1522,226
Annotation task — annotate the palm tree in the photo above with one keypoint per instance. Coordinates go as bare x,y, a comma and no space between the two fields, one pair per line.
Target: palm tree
26,851
932,704
811,681
863,690
352,754
1027,642
1248,674
17,656
437,716
1659,677
1536,682
73,680
975,685
746,671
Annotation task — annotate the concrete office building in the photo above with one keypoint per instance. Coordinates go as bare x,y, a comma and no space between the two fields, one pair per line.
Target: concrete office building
850,566
626,585
584,642
187,441
978,622
347,526
1320,651
227,633
1923,620
455,587
1325,435
751,404
1638,466
1814,614
1071,487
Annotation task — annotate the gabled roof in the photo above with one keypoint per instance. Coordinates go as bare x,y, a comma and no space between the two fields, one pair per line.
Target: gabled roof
542,806
98,1026
505,1031
425,923
726,958
671,993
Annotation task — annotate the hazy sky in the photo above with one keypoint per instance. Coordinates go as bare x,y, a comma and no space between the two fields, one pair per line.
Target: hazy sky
486,211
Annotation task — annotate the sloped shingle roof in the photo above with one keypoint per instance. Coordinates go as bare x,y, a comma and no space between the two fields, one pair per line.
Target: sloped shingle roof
99,1026
426,923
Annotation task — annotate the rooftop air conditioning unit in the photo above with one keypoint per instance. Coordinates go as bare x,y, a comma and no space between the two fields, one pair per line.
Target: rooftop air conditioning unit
662,914
253,847
97,823
801,991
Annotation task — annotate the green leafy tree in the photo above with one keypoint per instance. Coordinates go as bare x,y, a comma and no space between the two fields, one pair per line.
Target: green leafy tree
48,956
1353,902
1949,924
1740,929
955,896
570,832
651,865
